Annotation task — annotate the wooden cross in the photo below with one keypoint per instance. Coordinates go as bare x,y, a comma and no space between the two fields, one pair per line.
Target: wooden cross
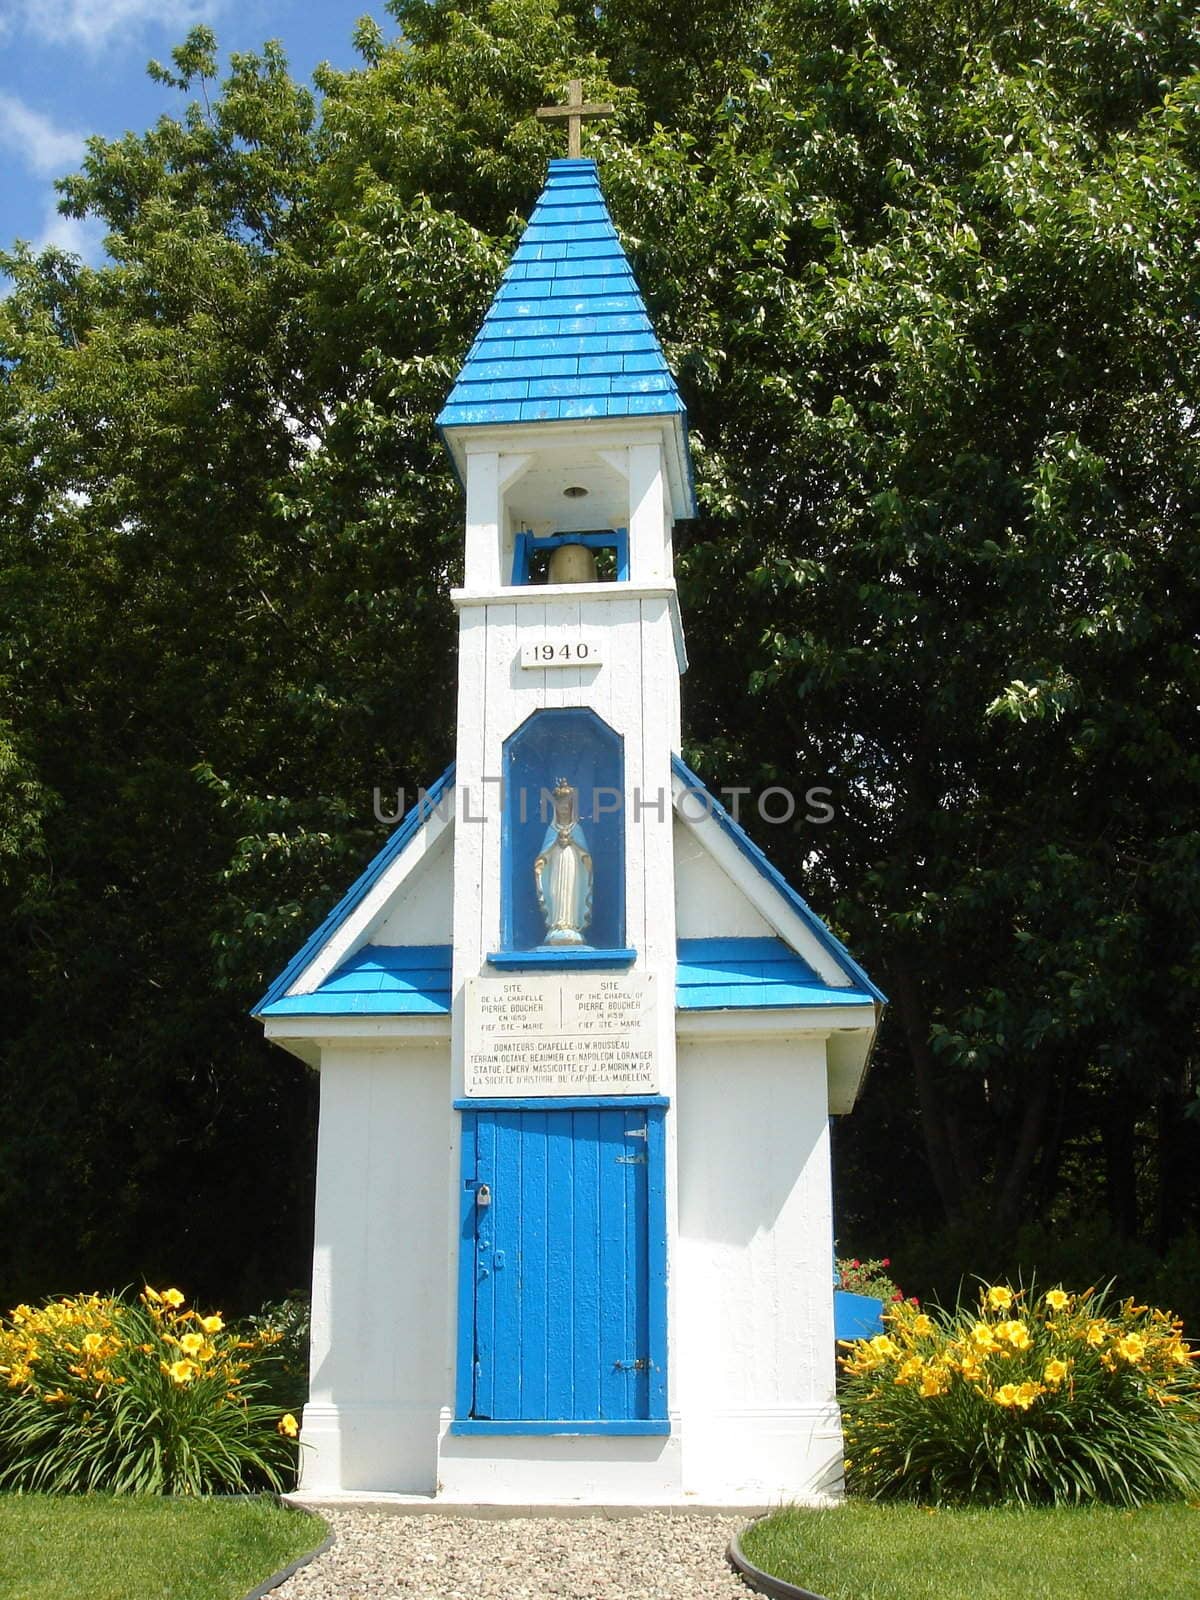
575,112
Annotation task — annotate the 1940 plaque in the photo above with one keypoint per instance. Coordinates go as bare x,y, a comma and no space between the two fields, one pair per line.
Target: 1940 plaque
550,1034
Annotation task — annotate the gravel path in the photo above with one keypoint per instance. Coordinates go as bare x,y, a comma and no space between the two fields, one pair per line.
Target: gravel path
652,1557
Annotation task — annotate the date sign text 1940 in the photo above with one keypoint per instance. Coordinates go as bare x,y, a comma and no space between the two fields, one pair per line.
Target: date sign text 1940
562,652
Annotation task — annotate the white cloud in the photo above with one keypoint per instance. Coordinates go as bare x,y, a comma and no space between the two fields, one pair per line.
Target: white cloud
95,23
42,147
78,236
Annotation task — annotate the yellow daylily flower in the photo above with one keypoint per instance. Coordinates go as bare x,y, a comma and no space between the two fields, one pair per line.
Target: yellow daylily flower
1057,1299
884,1347
921,1324
1055,1371
173,1298
181,1371
288,1426
212,1324
999,1298
193,1343
1015,1333
1131,1348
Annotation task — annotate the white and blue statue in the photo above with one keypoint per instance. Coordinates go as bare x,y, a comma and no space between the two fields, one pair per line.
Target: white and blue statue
563,872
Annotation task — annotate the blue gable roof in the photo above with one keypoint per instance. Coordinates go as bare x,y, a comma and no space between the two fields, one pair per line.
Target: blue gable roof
378,980
761,865
567,335
712,974
358,890
752,974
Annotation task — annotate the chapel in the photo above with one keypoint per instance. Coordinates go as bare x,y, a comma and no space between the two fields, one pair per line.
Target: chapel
579,1041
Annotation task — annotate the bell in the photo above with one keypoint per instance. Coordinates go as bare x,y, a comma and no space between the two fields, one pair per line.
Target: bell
572,563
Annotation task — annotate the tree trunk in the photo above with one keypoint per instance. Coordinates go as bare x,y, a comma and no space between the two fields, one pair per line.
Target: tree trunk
1178,1157
930,1100
1013,1183
1120,1173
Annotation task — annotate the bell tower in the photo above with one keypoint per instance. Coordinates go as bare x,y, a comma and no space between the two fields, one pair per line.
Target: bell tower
569,435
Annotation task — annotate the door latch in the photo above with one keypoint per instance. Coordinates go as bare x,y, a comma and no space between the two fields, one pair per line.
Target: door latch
483,1195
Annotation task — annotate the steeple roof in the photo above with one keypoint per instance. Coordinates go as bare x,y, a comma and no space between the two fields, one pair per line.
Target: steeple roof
567,335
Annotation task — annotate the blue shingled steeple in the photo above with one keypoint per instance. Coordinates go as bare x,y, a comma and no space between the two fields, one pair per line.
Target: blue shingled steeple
567,335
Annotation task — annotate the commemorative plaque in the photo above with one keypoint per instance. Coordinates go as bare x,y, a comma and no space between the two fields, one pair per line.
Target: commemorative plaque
549,1034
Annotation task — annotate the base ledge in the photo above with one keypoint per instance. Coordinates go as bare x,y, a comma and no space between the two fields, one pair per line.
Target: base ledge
442,1505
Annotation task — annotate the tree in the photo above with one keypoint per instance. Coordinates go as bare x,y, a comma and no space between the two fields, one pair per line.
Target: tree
925,276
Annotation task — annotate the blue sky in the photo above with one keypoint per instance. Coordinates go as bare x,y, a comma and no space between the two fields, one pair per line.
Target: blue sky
69,68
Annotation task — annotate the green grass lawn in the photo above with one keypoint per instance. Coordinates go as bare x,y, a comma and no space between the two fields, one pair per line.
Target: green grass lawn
873,1552
97,1547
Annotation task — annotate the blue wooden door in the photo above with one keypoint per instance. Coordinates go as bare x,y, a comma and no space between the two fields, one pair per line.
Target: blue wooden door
562,1223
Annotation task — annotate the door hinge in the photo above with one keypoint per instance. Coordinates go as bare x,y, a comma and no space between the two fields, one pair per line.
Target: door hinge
632,1161
642,1364
637,1133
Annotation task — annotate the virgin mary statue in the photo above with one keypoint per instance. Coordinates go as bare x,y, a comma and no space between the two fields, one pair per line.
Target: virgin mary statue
563,873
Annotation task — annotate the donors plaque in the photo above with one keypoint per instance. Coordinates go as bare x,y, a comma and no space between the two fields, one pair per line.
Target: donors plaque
550,1034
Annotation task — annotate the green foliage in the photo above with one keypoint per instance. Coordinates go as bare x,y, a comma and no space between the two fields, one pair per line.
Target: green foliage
95,1547
1053,1398
143,1397
282,1368
925,274
1081,1252
862,1551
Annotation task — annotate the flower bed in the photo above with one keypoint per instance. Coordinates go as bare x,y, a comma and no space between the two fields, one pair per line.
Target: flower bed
152,1396
1055,1397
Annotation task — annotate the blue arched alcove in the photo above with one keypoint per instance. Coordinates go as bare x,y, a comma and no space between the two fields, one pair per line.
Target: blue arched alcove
568,748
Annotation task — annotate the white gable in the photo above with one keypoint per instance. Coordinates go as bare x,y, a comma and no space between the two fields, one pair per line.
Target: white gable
412,900
420,910
708,904
695,817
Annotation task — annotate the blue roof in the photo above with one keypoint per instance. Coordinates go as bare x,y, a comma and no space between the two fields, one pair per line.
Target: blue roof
761,865
358,890
567,335
712,974
378,980
752,974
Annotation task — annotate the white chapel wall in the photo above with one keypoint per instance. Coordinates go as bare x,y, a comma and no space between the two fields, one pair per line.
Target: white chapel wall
753,1343
380,1274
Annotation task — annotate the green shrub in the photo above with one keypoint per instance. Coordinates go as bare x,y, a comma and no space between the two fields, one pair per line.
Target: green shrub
868,1277
1052,1398
942,1263
284,1326
101,1393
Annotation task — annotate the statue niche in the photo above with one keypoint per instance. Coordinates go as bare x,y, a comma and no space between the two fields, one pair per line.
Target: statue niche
562,872
562,866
